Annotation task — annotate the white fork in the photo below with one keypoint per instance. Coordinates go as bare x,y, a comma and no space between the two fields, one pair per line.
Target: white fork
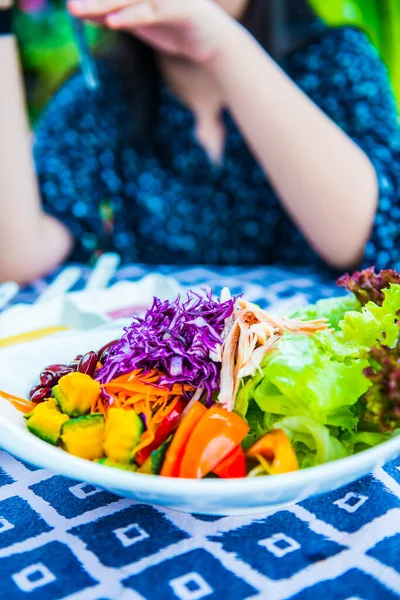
64,281
104,270
8,291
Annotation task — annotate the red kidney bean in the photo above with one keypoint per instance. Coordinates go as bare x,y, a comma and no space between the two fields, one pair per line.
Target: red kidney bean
88,364
66,371
34,389
73,365
104,356
103,353
49,379
55,368
41,395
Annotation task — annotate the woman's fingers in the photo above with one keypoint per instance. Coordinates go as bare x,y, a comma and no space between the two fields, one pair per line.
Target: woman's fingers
143,12
135,15
97,20
188,27
93,8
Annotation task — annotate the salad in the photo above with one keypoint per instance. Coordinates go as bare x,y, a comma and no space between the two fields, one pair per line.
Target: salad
220,388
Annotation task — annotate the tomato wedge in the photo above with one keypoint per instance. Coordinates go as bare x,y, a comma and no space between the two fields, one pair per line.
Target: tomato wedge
214,437
277,449
176,448
163,431
234,465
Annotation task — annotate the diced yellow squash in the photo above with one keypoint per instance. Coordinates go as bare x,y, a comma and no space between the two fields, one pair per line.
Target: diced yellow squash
109,463
123,431
46,421
75,394
83,436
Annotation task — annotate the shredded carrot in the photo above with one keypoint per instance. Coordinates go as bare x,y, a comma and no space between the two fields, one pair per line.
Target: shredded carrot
146,440
150,377
176,390
147,410
8,396
101,408
24,408
164,411
140,392
140,382
94,406
126,378
21,404
140,406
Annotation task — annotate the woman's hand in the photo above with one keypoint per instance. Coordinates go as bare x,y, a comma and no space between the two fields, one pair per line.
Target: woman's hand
195,29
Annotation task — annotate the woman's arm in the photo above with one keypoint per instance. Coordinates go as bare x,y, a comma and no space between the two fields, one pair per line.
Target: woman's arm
31,242
324,180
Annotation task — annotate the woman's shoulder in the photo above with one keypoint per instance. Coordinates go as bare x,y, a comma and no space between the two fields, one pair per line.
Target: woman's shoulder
343,72
348,36
345,47
75,107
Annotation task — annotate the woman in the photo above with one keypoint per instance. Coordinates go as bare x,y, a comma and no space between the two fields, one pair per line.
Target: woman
212,153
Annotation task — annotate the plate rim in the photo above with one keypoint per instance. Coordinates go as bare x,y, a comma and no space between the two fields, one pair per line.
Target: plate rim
85,470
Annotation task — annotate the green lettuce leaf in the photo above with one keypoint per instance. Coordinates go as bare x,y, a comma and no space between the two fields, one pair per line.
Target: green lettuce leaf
374,323
333,309
313,442
270,399
359,331
311,381
361,440
260,423
345,417
246,393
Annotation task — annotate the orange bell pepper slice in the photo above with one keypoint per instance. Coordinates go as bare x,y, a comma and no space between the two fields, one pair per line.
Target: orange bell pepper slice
215,436
233,466
176,449
277,449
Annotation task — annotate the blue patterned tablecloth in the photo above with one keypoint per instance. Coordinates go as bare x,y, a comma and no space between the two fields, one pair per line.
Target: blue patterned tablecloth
63,539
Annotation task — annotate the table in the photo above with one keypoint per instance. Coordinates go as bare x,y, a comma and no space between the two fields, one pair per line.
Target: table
63,539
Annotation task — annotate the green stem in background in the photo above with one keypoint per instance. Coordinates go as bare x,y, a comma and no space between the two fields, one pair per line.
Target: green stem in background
389,13
49,52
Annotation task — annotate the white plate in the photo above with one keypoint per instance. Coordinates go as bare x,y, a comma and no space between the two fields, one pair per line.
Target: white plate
19,369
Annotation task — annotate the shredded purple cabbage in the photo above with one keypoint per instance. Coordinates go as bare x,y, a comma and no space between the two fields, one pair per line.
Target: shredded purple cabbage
175,338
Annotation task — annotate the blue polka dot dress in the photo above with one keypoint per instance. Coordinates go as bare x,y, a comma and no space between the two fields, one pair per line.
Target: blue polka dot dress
175,206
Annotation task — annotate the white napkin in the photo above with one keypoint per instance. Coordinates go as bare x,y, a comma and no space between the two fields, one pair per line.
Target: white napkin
88,309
